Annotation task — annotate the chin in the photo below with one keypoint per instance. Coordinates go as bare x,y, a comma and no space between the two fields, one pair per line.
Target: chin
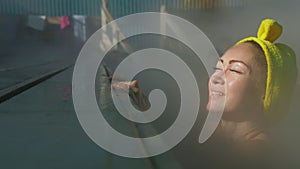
216,104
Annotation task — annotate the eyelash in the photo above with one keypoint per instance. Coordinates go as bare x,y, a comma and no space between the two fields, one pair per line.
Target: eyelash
232,70
235,71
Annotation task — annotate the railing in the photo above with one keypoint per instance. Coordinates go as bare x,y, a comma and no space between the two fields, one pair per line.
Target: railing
118,8
50,7
106,17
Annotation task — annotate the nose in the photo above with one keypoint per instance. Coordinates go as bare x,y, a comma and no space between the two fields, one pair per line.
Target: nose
218,78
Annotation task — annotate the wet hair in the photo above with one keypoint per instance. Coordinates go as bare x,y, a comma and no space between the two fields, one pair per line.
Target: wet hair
261,60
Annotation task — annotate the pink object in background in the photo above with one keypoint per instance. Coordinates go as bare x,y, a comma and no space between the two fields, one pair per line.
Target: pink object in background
64,22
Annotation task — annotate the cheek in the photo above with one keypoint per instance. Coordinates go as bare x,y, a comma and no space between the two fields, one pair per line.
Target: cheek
242,91
238,89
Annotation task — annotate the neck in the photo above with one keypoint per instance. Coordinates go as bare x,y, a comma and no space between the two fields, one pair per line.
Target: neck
244,131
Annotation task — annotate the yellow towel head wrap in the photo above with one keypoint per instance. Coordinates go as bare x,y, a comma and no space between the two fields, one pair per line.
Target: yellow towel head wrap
281,69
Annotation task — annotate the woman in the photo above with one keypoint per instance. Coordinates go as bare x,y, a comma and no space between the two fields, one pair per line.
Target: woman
260,77
255,78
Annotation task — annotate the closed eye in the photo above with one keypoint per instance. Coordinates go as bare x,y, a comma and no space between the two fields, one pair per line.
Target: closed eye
236,71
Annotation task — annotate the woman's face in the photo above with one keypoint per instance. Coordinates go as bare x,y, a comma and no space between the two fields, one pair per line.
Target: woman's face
239,82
